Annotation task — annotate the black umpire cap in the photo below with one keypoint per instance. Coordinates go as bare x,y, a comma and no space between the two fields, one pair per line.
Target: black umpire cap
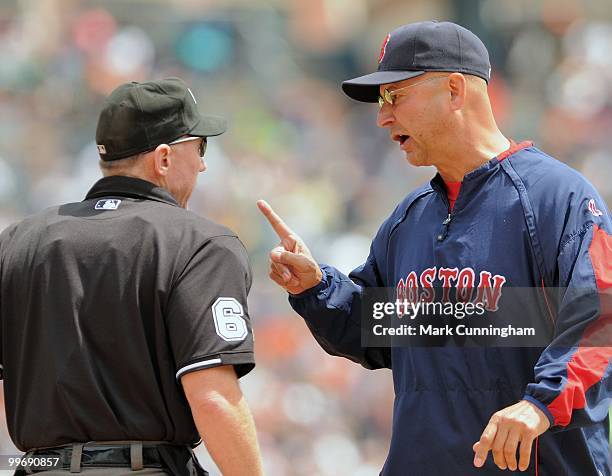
417,48
137,117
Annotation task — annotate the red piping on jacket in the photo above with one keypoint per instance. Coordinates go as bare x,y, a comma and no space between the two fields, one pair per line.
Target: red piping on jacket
590,361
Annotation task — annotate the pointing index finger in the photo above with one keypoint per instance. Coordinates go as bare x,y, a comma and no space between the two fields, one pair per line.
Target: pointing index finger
279,226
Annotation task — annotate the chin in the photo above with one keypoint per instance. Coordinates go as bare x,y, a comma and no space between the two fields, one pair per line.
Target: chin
416,159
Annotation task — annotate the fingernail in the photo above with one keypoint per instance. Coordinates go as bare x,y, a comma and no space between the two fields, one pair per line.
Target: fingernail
477,462
287,276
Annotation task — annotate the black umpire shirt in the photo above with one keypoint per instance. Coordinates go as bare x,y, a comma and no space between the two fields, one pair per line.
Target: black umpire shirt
104,305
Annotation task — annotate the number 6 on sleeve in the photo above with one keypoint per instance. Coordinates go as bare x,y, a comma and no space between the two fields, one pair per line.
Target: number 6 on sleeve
229,324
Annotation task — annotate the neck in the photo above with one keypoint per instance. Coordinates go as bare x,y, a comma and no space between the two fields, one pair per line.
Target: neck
470,151
137,174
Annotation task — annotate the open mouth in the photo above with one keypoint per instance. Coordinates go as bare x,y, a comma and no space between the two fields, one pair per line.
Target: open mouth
401,138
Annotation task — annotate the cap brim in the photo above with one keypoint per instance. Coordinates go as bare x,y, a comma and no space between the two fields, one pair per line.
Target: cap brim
209,126
367,88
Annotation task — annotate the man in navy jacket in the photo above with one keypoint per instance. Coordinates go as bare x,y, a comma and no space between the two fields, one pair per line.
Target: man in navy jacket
498,215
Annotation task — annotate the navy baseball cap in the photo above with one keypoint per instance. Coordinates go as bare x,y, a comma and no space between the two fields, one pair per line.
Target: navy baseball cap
418,48
137,117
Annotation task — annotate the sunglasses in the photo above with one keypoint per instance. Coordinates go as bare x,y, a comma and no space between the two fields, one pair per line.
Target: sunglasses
203,144
389,96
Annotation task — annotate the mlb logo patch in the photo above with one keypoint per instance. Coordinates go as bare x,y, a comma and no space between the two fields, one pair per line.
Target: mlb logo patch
107,204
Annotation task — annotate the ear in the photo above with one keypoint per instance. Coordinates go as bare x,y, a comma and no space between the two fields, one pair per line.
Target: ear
457,85
162,160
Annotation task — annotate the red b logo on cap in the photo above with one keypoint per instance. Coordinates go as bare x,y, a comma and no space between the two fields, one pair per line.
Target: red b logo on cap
383,48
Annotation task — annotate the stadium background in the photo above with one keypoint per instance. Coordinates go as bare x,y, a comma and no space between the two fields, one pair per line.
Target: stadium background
273,68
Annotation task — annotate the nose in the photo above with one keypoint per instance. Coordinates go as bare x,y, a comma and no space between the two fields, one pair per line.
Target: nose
202,164
385,116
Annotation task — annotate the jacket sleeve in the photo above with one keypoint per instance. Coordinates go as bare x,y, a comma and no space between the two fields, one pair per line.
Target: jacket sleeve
332,311
573,385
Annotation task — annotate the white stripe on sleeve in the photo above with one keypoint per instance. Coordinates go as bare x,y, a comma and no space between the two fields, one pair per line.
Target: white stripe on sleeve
197,365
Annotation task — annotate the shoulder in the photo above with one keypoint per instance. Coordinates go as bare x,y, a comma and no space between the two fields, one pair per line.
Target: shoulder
187,219
565,204
26,226
207,235
542,174
185,226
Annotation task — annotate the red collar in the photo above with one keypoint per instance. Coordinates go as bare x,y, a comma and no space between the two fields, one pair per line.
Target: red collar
453,188
514,147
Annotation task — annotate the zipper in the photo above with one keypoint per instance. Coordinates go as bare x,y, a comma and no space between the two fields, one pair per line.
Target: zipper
447,221
444,231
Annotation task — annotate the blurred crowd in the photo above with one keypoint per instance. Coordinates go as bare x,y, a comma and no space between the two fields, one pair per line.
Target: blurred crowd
273,68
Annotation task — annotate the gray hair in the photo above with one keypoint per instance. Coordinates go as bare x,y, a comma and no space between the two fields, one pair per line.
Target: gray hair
117,167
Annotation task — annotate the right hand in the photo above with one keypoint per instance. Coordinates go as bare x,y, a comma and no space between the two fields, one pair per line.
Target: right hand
292,266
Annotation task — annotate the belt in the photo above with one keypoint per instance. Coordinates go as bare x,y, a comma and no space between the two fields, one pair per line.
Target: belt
131,454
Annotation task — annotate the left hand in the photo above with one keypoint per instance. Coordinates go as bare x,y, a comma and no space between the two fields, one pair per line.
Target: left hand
516,425
292,266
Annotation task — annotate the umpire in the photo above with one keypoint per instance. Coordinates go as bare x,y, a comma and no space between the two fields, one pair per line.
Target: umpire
124,317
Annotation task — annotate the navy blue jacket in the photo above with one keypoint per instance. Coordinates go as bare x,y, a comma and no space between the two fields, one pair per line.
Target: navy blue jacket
526,221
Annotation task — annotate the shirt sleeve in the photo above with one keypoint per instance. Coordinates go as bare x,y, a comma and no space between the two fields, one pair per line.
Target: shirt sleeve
332,311
207,314
573,383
